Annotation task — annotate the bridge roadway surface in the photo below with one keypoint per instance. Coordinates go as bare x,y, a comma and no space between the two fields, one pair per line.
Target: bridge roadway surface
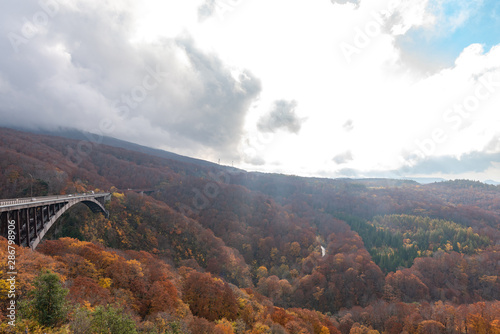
31,201
35,215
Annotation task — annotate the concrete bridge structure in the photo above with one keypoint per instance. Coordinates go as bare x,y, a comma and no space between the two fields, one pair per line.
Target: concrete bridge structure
31,218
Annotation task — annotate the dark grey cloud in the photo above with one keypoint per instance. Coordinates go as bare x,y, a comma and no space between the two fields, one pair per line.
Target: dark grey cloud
215,111
343,158
281,117
77,68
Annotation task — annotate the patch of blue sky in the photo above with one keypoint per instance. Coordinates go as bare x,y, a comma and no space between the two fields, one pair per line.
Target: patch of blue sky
458,24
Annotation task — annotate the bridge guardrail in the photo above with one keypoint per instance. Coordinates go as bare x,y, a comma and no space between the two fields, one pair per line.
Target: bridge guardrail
17,201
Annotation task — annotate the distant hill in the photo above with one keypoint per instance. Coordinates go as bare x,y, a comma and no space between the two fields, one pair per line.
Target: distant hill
426,180
88,136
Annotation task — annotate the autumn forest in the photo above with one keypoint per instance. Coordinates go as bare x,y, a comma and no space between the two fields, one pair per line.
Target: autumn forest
195,247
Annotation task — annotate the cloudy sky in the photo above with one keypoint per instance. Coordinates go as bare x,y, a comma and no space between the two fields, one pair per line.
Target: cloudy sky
356,88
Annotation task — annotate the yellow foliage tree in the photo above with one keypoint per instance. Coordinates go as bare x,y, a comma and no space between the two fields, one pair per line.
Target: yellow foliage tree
105,282
224,326
295,249
262,272
324,330
260,328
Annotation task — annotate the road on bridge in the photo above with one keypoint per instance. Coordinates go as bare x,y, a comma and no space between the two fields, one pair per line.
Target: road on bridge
46,199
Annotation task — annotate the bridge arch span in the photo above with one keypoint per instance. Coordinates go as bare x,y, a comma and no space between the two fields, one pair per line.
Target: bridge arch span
32,218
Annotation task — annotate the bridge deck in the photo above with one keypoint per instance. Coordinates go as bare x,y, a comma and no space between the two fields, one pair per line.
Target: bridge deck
21,203
31,218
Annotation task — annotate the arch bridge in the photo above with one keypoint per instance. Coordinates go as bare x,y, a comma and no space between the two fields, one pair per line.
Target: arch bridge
31,218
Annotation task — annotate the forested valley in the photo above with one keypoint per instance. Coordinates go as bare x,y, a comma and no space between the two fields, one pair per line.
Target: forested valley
205,248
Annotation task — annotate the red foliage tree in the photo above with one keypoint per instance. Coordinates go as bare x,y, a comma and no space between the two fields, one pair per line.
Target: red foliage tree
209,297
